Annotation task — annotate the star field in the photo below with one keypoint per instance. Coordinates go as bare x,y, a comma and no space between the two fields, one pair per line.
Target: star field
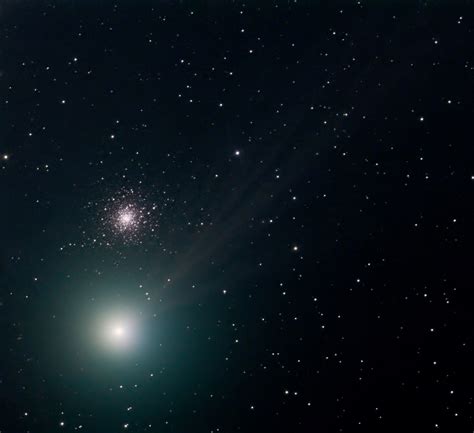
236,217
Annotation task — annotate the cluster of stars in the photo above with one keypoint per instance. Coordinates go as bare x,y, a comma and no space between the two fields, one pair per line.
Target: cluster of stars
126,217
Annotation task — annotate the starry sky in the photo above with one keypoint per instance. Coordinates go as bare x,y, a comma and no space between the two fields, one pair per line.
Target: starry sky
236,216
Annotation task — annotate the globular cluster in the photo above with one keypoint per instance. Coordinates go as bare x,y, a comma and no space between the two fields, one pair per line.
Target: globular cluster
127,217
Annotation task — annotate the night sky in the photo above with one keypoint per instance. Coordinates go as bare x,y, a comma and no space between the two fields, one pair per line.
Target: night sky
236,217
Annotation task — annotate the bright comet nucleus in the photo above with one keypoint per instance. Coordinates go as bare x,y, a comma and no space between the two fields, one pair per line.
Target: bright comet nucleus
118,332
118,335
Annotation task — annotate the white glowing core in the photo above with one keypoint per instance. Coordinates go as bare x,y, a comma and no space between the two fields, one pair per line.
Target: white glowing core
118,332
118,335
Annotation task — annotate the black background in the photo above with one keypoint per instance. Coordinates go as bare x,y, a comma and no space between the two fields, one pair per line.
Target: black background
354,125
